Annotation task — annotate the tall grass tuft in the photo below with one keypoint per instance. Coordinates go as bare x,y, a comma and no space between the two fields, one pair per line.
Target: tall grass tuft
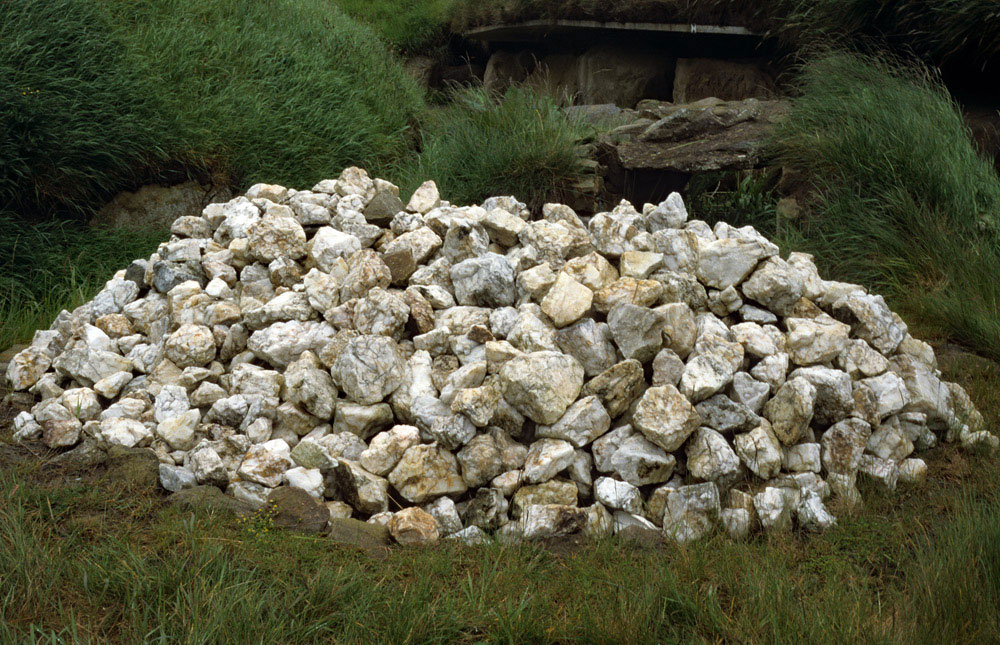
956,580
282,91
480,145
906,204
938,31
49,266
77,119
410,26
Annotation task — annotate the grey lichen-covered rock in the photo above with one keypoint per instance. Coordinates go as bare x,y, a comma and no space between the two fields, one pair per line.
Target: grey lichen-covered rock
481,459
692,512
368,368
816,340
590,343
426,472
709,456
638,331
640,462
760,451
725,263
175,478
774,510
361,420
665,417
359,534
871,320
546,458
363,490
488,510
843,444
283,342
541,385
726,415
486,281
307,383
776,285
88,366
834,393
582,422
296,510
711,367
618,495
552,520
618,386
791,409
813,514
883,472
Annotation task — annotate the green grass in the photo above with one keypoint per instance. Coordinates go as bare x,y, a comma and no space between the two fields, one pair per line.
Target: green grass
86,562
282,91
906,205
939,31
101,93
410,26
76,117
480,145
49,266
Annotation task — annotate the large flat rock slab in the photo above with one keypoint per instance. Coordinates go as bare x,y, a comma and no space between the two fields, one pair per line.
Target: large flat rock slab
708,135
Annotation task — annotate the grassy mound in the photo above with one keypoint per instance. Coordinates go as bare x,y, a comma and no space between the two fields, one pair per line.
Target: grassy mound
907,206
283,91
76,117
481,145
103,95
279,91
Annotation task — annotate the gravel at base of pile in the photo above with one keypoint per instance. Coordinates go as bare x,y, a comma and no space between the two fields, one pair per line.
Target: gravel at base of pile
462,371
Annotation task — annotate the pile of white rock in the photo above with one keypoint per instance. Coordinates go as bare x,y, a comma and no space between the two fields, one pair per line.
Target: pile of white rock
461,371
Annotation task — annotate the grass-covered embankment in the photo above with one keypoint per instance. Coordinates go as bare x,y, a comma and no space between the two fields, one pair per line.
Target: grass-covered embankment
77,120
905,204
103,93
940,32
